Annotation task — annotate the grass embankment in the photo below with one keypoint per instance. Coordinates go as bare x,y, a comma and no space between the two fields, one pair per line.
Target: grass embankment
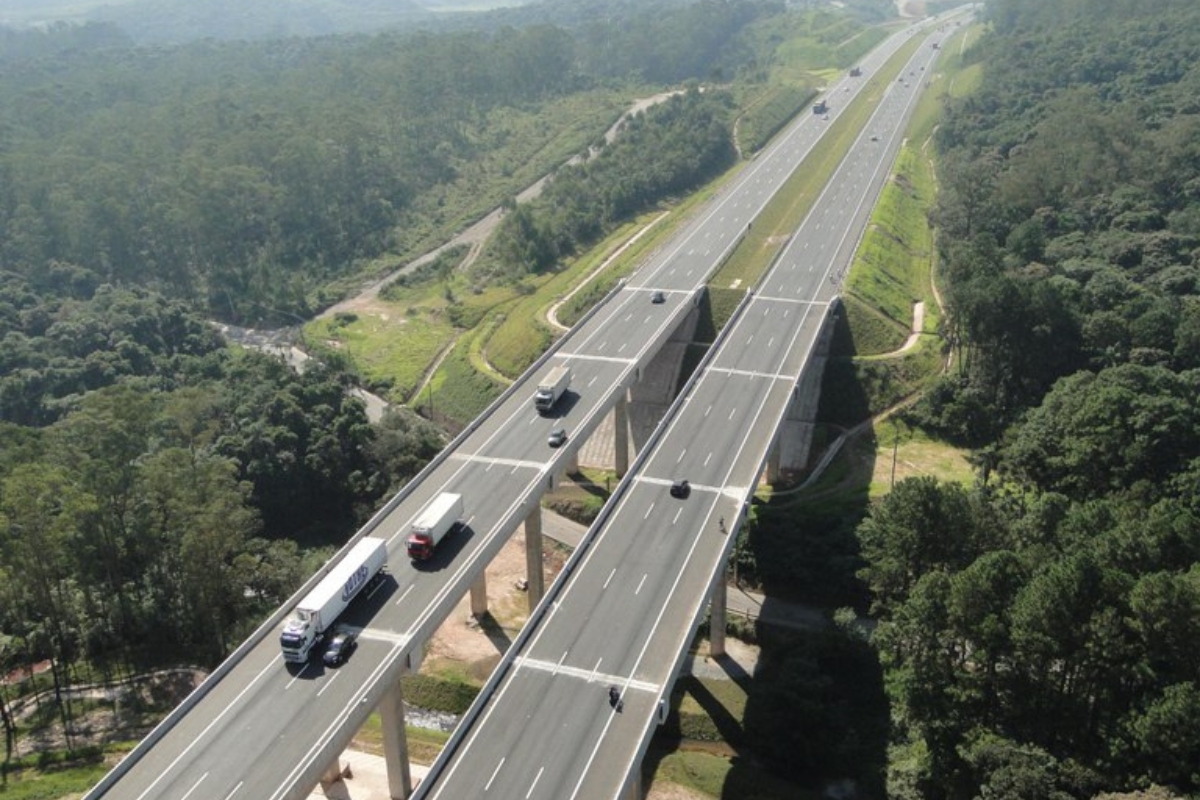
52,777
784,213
893,270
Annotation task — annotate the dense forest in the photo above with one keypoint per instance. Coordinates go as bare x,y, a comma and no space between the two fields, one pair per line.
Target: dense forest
669,150
245,178
1039,628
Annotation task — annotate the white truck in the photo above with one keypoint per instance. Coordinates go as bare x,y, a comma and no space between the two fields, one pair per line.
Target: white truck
321,607
434,522
552,388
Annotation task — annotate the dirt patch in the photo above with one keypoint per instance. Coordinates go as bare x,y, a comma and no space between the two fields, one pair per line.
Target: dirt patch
673,791
475,646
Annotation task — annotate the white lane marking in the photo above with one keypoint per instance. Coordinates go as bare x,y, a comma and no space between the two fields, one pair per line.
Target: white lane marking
590,676
405,593
194,787
504,462
593,357
495,772
648,510
676,518
297,676
235,790
536,778
706,460
328,683
681,455
609,578
641,583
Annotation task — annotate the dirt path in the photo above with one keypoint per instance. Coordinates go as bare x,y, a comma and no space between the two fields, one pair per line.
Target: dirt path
367,300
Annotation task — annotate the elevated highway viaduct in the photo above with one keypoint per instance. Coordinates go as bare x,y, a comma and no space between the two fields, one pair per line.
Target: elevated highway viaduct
257,729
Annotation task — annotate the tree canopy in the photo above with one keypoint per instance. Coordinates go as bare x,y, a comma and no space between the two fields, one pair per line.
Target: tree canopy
1034,626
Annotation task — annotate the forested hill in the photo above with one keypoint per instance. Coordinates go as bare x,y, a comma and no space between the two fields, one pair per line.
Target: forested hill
244,178
1040,629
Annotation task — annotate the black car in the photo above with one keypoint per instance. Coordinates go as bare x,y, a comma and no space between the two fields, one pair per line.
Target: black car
557,437
658,297
680,489
339,649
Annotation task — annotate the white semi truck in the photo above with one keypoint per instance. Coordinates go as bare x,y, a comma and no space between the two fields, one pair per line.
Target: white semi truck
434,522
552,388
321,607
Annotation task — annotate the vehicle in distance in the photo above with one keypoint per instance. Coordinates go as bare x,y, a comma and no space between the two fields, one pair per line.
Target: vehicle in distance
339,649
681,489
320,608
658,297
557,437
551,389
874,138
432,524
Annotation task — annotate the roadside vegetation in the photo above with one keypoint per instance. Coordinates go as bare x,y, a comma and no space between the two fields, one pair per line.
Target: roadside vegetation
1027,620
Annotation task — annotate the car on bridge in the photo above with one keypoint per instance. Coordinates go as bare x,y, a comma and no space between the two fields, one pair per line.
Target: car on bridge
339,649
681,489
557,437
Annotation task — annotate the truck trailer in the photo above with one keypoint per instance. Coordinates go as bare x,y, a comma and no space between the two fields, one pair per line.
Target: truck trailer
433,523
320,608
552,388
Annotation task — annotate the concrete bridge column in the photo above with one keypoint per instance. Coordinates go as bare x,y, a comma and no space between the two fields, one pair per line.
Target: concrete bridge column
479,604
716,617
333,773
621,434
572,465
535,579
774,460
395,743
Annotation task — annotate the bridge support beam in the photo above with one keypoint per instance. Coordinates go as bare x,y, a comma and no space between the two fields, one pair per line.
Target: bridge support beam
395,743
479,603
633,784
621,434
535,580
716,616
